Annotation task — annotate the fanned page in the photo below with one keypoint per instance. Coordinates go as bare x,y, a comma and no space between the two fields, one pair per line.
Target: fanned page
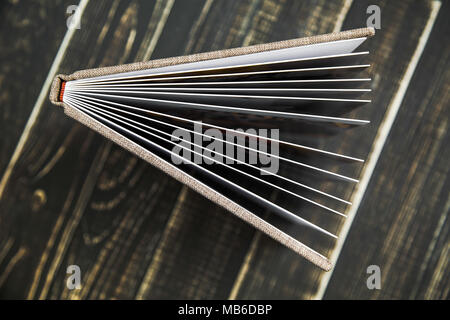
244,126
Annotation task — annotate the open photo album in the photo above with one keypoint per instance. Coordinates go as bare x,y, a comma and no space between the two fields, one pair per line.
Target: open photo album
236,124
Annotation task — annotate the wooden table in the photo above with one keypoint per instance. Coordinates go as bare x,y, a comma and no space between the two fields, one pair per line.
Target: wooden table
68,196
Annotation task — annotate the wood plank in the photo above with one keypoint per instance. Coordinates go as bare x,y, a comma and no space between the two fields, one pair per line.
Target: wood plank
30,34
402,225
50,176
265,276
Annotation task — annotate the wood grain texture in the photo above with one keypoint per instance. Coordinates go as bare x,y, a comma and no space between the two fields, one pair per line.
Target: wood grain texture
74,198
30,34
403,224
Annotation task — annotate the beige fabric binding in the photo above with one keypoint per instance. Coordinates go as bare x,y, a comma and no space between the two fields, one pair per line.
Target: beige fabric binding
172,170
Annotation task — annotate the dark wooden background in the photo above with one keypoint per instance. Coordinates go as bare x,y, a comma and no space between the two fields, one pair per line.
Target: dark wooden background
68,196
